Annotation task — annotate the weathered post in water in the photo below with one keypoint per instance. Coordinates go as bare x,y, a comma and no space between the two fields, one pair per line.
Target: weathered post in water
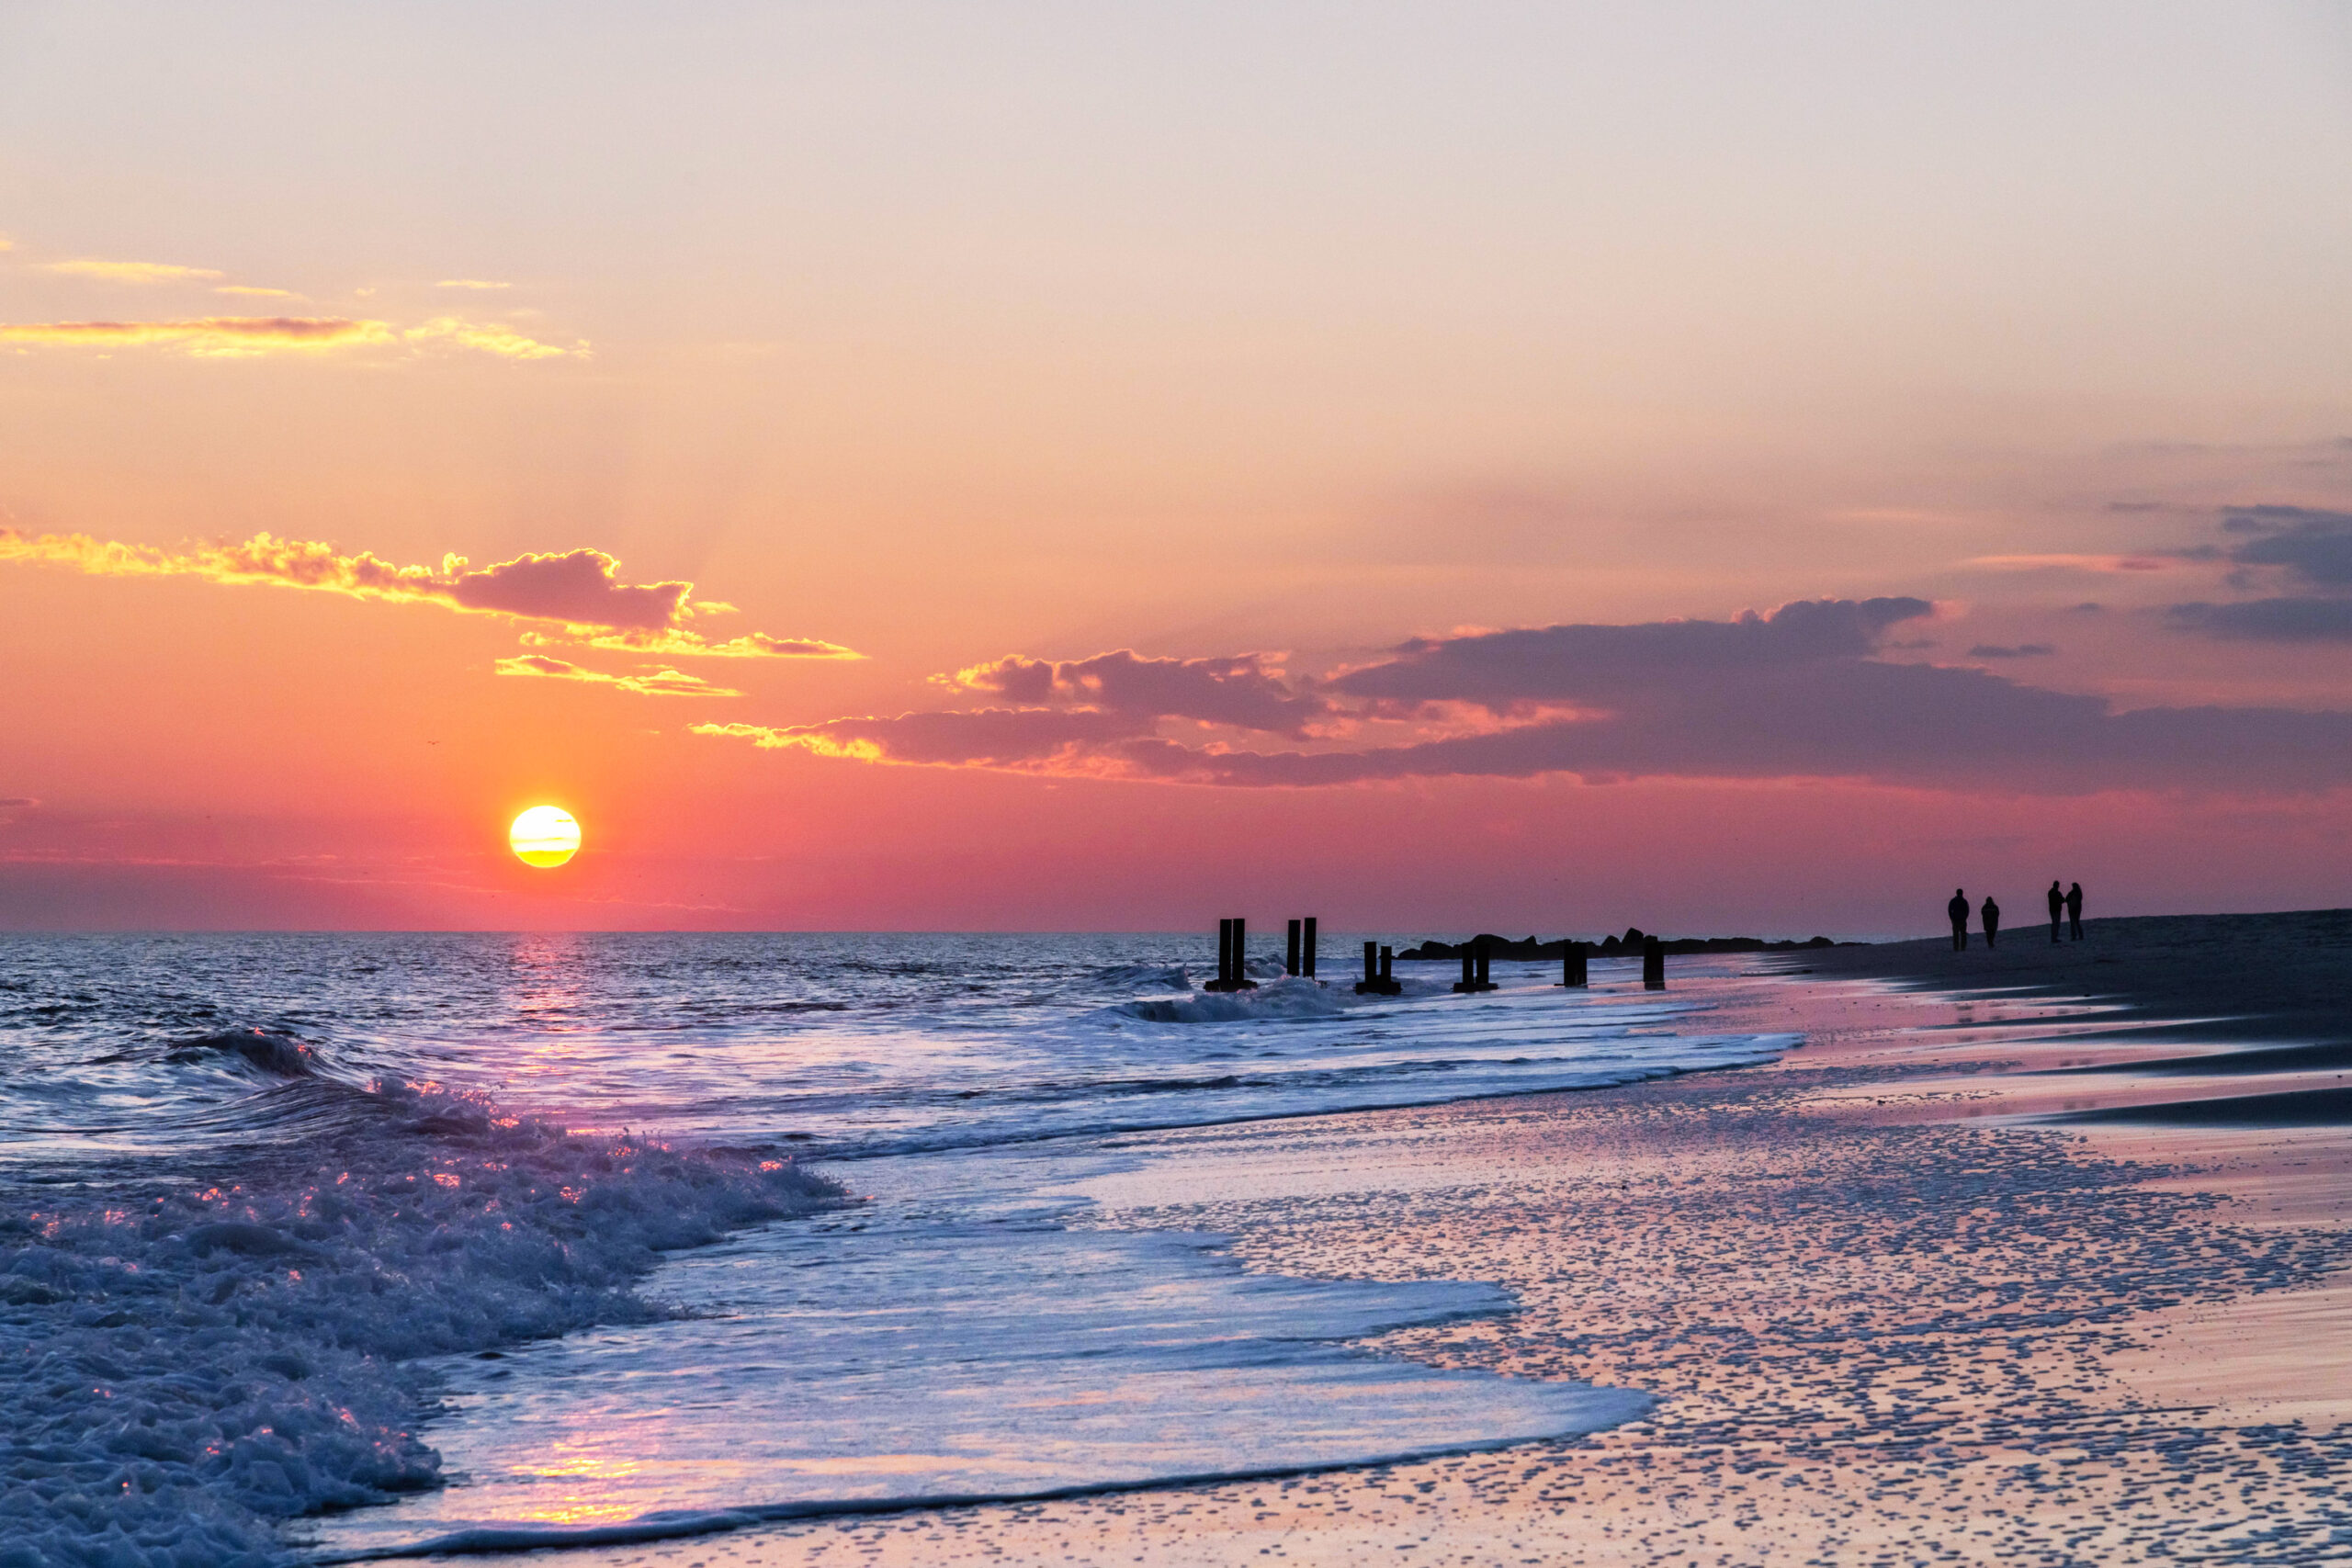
1474,967
1232,954
1307,949
1652,964
1572,963
1376,981
1290,952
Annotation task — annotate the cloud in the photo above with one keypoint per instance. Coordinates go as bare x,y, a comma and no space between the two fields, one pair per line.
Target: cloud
658,683
244,336
132,272
1796,693
2022,650
672,642
2282,547
17,802
1238,691
504,341
208,335
580,590
2269,620
1511,670
471,283
2312,546
250,290
1054,739
2153,562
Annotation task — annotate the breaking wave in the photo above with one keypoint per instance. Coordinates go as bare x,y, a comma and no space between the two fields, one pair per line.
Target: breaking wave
186,1364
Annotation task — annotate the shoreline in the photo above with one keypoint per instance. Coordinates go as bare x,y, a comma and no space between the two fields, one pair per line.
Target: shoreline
1916,1078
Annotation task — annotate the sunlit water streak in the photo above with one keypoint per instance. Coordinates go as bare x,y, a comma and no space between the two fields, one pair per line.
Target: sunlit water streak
184,1118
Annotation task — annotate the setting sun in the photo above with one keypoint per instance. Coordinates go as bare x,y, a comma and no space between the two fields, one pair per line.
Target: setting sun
545,836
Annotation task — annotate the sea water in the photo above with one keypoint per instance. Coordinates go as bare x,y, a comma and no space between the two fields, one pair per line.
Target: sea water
340,1246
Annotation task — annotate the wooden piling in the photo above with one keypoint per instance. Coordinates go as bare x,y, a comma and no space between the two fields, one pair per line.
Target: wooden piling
1474,968
1232,957
1307,948
1290,952
1573,960
1376,981
1652,964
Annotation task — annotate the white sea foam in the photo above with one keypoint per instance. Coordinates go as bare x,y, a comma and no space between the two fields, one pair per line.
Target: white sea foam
184,1367
233,1278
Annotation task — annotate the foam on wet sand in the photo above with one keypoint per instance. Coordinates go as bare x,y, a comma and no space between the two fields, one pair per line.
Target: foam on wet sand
1892,1310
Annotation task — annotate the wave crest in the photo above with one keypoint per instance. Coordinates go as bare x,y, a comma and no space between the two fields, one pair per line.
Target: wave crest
281,1055
248,1341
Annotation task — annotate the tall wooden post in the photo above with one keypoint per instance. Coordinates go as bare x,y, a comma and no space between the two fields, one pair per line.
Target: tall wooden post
1290,952
1308,953
1652,964
1573,965
1225,953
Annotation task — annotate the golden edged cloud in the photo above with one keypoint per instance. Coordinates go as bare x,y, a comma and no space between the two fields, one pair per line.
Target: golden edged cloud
768,738
658,683
211,336
471,283
488,339
252,291
673,642
132,272
244,336
572,596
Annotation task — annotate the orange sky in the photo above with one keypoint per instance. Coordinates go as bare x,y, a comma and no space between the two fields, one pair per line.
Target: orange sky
407,418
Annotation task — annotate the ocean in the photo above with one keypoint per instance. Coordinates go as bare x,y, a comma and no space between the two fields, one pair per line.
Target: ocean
328,1247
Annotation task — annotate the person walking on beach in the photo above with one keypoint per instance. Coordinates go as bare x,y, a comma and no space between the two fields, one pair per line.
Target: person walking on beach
2057,909
1958,910
2074,912
1992,922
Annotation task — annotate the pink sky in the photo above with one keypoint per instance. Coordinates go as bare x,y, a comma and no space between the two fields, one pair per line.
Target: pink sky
1513,467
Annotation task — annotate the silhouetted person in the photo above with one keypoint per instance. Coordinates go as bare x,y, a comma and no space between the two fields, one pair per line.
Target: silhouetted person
1958,910
1992,922
2057,909
2074,911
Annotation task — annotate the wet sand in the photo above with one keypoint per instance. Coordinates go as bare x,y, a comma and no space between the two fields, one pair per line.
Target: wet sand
1991,1270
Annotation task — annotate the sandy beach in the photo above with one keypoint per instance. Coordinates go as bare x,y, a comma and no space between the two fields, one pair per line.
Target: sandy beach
1991,1270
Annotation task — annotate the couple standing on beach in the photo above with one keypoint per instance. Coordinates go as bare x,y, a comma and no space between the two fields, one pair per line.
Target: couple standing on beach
2069,904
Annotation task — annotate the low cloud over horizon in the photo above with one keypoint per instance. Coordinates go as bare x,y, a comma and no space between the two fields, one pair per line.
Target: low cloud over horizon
1797,693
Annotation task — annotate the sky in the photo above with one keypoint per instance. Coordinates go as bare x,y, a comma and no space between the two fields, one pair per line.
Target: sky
1530,467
